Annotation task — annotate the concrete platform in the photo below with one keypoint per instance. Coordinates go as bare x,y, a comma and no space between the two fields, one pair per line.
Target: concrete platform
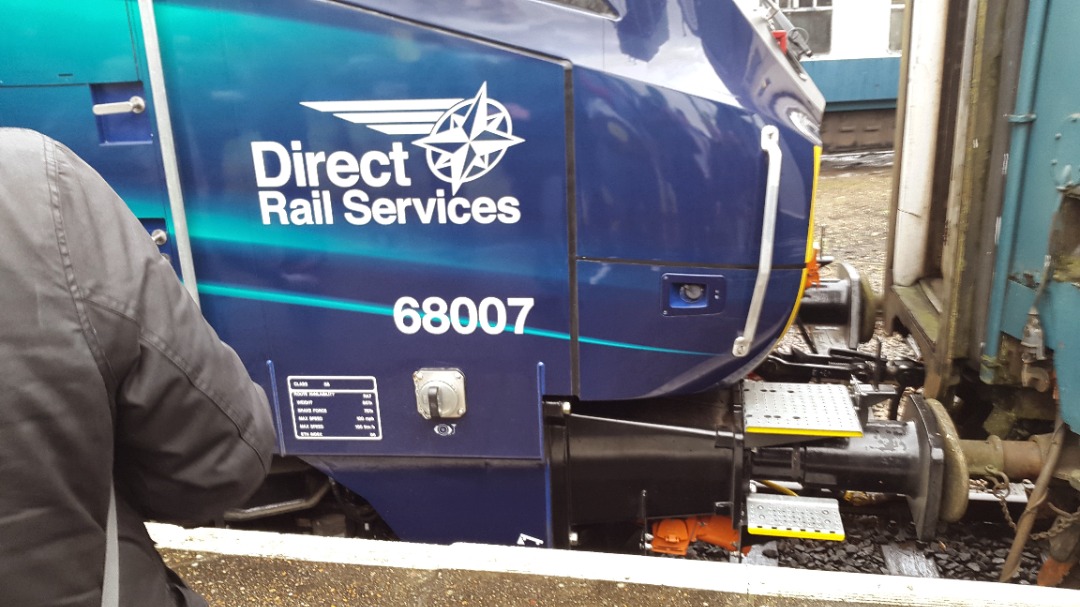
245,568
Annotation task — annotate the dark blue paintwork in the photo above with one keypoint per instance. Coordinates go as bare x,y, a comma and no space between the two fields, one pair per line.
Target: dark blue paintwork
444,501
640,157
621,301
706,48
358,58
125,127
668,167
688,180
64,112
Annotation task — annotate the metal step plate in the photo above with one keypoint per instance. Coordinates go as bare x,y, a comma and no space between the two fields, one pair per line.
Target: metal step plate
813,518
799,409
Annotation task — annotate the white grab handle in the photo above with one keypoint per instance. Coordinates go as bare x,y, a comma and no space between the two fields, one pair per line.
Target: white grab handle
770,144
135,105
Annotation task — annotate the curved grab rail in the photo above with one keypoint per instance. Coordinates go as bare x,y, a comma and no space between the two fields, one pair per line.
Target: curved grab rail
770,144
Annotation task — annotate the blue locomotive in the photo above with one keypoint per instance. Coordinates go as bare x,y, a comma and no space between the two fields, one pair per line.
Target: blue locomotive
504,267
420,224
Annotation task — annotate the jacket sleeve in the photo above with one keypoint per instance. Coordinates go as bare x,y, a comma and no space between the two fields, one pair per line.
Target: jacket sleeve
193,431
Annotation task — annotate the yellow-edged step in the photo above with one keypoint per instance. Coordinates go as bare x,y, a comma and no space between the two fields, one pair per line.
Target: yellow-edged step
814,518
799,409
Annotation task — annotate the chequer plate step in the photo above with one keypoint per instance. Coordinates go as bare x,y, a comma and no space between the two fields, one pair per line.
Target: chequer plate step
815,518
799,409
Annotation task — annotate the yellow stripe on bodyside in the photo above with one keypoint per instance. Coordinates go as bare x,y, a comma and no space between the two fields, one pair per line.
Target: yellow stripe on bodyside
809,245
813,203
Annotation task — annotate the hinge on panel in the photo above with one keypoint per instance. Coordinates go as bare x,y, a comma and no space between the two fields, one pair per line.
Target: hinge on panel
1020,118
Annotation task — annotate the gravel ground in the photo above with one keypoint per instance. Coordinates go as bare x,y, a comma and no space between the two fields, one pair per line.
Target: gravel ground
852,215
851,219
851,224
969,550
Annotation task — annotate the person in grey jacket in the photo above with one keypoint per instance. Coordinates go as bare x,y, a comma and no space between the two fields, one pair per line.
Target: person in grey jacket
109,375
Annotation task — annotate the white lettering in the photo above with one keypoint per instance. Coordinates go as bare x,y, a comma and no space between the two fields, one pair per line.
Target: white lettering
433,315
342,169
259,149
279,166
370,178
384,210
425,212
483,210
454,216
298,162
300,212
403,204
399,156
273,203
314,159
354,201
508,210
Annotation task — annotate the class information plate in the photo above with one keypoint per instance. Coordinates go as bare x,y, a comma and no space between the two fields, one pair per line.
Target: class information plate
335,408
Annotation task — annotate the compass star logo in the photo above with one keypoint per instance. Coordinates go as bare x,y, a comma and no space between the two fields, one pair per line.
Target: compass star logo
464,138
469,139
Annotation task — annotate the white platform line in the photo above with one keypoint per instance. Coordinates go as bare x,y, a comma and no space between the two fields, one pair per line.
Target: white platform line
742,582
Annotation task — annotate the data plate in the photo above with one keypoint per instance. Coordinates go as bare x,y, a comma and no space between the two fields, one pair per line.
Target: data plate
813,518
799,409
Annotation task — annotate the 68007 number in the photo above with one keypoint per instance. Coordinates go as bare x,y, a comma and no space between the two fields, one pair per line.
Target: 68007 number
434,315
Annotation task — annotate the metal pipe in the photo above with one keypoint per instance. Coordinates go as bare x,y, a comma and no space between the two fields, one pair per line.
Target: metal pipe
1021,120
1038,495
1017,459
685,431
167,145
